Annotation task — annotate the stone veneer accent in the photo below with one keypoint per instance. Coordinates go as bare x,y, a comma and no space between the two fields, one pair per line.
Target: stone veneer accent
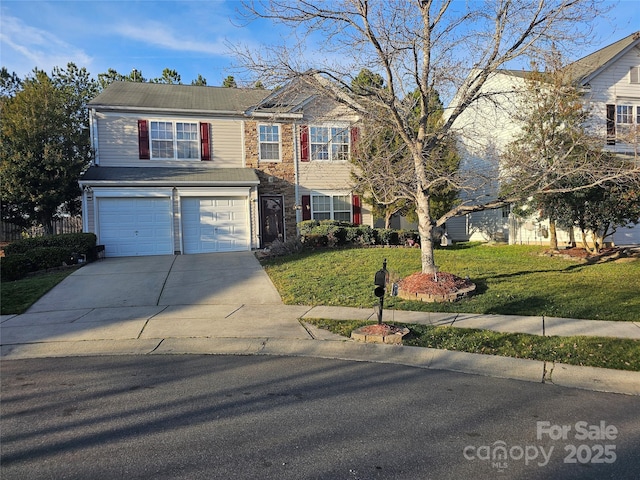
276,178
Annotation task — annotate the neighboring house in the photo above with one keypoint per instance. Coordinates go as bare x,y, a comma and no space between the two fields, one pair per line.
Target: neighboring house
610,79
189,169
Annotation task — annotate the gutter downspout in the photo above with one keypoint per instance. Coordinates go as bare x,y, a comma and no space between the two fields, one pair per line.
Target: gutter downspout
296,182
93,132
85,210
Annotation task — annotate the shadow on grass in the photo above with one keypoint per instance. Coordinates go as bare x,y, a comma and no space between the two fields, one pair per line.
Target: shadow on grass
521,306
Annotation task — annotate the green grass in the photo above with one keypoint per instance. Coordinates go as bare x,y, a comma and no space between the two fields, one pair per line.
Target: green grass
18,296
510,280
619,354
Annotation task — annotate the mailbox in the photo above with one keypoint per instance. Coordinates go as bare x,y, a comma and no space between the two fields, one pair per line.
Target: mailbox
380,281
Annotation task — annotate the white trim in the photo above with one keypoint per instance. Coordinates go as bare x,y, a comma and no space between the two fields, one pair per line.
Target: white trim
214,192
169,112
131,192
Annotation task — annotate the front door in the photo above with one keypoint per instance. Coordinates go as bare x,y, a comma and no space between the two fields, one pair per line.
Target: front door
271,219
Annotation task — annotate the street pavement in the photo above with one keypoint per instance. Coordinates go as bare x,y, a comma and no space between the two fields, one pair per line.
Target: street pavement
290,418
225,303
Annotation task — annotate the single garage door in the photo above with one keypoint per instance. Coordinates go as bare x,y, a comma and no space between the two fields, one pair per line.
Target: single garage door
135,226
214,224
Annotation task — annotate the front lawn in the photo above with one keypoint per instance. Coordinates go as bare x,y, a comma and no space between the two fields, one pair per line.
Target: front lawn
510,279
602,352
18,296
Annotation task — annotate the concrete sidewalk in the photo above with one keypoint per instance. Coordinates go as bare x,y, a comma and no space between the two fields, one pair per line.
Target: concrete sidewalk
239,329
226,304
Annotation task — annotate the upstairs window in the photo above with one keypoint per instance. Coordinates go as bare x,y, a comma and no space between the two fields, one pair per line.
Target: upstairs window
329,143
269,143
174,141
634,75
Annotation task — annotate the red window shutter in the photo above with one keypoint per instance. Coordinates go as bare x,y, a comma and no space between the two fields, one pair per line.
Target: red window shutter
357,210
611,124
205,154
355,135
306,207
304,143
143,140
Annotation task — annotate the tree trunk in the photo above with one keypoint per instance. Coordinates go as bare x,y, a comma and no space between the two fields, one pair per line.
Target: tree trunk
572,237
585,243
553,235
425,228
387,219
598,241
47,224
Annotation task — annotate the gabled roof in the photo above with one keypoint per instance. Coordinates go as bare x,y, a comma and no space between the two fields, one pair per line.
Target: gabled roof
177,98
288,100
583,70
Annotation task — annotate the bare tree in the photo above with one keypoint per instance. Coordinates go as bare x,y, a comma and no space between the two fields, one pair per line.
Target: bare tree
416,46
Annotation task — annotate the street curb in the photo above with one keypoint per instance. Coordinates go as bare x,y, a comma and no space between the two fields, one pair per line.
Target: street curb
586,378
80,348
599,379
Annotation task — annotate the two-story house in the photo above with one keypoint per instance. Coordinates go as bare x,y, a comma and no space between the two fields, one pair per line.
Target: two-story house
190,169
610,81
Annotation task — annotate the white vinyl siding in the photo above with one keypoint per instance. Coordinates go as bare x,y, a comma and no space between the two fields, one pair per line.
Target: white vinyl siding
227,143
325,175
118,141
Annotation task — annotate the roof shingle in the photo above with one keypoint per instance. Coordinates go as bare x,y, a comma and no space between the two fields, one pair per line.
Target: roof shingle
157,96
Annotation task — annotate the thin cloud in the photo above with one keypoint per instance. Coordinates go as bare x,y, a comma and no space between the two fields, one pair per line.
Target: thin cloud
25,47
160,35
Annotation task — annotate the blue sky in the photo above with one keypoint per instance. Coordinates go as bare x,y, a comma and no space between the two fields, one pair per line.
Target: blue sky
191,37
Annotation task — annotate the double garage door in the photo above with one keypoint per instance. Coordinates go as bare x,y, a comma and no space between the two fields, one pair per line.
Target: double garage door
144,225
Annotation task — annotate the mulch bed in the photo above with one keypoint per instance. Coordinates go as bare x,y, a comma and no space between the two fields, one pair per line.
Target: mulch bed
424,283
380,329
605,254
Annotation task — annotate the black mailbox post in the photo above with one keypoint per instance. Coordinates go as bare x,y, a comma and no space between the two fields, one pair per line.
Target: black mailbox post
381,279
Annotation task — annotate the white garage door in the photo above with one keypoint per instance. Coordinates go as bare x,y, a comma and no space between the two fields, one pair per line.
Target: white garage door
214,224
135,226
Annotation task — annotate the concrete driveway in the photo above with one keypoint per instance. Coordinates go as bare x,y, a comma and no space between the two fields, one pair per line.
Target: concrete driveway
203,279
203,295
